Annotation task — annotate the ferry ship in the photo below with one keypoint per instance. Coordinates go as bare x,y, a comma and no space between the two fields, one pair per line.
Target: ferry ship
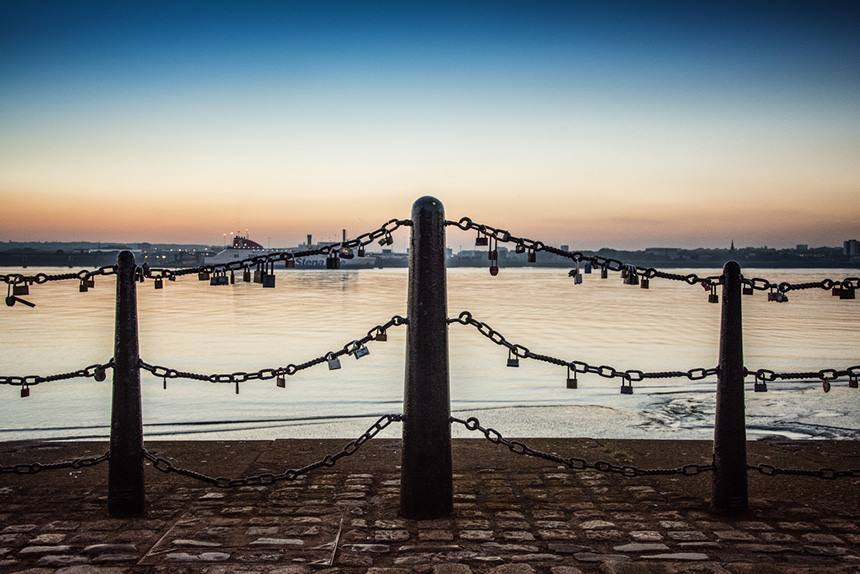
244,248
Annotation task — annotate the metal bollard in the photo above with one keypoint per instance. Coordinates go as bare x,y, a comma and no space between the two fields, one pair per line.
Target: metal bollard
125,473
426,483
729,486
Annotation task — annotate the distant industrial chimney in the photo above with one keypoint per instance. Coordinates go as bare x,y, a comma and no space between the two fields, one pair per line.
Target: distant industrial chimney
310,239
343,236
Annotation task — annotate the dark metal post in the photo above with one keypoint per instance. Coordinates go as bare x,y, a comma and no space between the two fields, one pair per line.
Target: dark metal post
125,474
729,488
426,485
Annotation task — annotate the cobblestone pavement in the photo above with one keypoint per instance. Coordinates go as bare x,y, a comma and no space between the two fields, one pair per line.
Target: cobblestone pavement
512,515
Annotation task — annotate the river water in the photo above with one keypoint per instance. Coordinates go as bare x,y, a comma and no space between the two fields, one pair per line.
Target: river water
191,326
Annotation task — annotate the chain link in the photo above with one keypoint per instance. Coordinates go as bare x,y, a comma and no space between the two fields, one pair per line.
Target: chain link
574,463
384,232
606,371
376,333
825,473
34,467
97,372
167,466
760,284
532,245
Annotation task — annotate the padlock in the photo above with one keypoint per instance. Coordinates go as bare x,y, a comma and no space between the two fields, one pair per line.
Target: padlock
645,283
588,267
91,281
853,381
532,258
624,272
232,277
747,290
237,387
258,274
713,297
760,385
82,288
333,362
781,297
388,239
281,381
837,290
494,268
361,251
825,385
171,277
577,278
164,383
214,280
604,272
360,351
381,335
626,389
99,374
20,289
159,283
513,360
246,275
632,277
332,261
290,262
493,254
571,382
25,391
847,293
203,276
481,240
269,276
520,248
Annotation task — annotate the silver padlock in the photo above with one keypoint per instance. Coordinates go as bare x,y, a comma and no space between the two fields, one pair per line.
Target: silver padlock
281,381
360,350
333,362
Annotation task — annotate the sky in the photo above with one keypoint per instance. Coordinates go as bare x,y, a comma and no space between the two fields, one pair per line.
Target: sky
621,124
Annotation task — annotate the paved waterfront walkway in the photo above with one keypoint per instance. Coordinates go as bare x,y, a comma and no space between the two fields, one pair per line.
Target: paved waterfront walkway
512,514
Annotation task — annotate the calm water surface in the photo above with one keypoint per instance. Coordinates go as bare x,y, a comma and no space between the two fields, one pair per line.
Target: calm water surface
191,326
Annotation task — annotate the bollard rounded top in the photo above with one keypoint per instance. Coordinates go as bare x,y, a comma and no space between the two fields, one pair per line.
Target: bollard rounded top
125,258
732,266
428,203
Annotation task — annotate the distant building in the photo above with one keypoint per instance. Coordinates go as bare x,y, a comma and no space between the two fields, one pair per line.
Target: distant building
564,247
850,248
802,247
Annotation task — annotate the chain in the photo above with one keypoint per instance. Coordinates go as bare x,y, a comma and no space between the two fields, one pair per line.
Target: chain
34,467
516,447
825,473
97,372
843,287
532,246
167,466
41,278
826,376
629,376
382,233
357,348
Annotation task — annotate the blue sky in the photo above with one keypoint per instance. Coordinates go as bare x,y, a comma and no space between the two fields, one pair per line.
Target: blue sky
638,112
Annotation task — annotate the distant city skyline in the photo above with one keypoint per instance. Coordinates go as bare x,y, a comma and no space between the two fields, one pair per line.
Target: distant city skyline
618,124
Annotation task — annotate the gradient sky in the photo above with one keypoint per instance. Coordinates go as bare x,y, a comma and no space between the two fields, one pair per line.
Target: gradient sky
605,123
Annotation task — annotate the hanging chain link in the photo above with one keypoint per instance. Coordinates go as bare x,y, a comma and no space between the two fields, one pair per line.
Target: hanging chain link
384,231
167,466
377,333
34,467
825,473
516,447
760,284
526,244
97,372
631,375
41,278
